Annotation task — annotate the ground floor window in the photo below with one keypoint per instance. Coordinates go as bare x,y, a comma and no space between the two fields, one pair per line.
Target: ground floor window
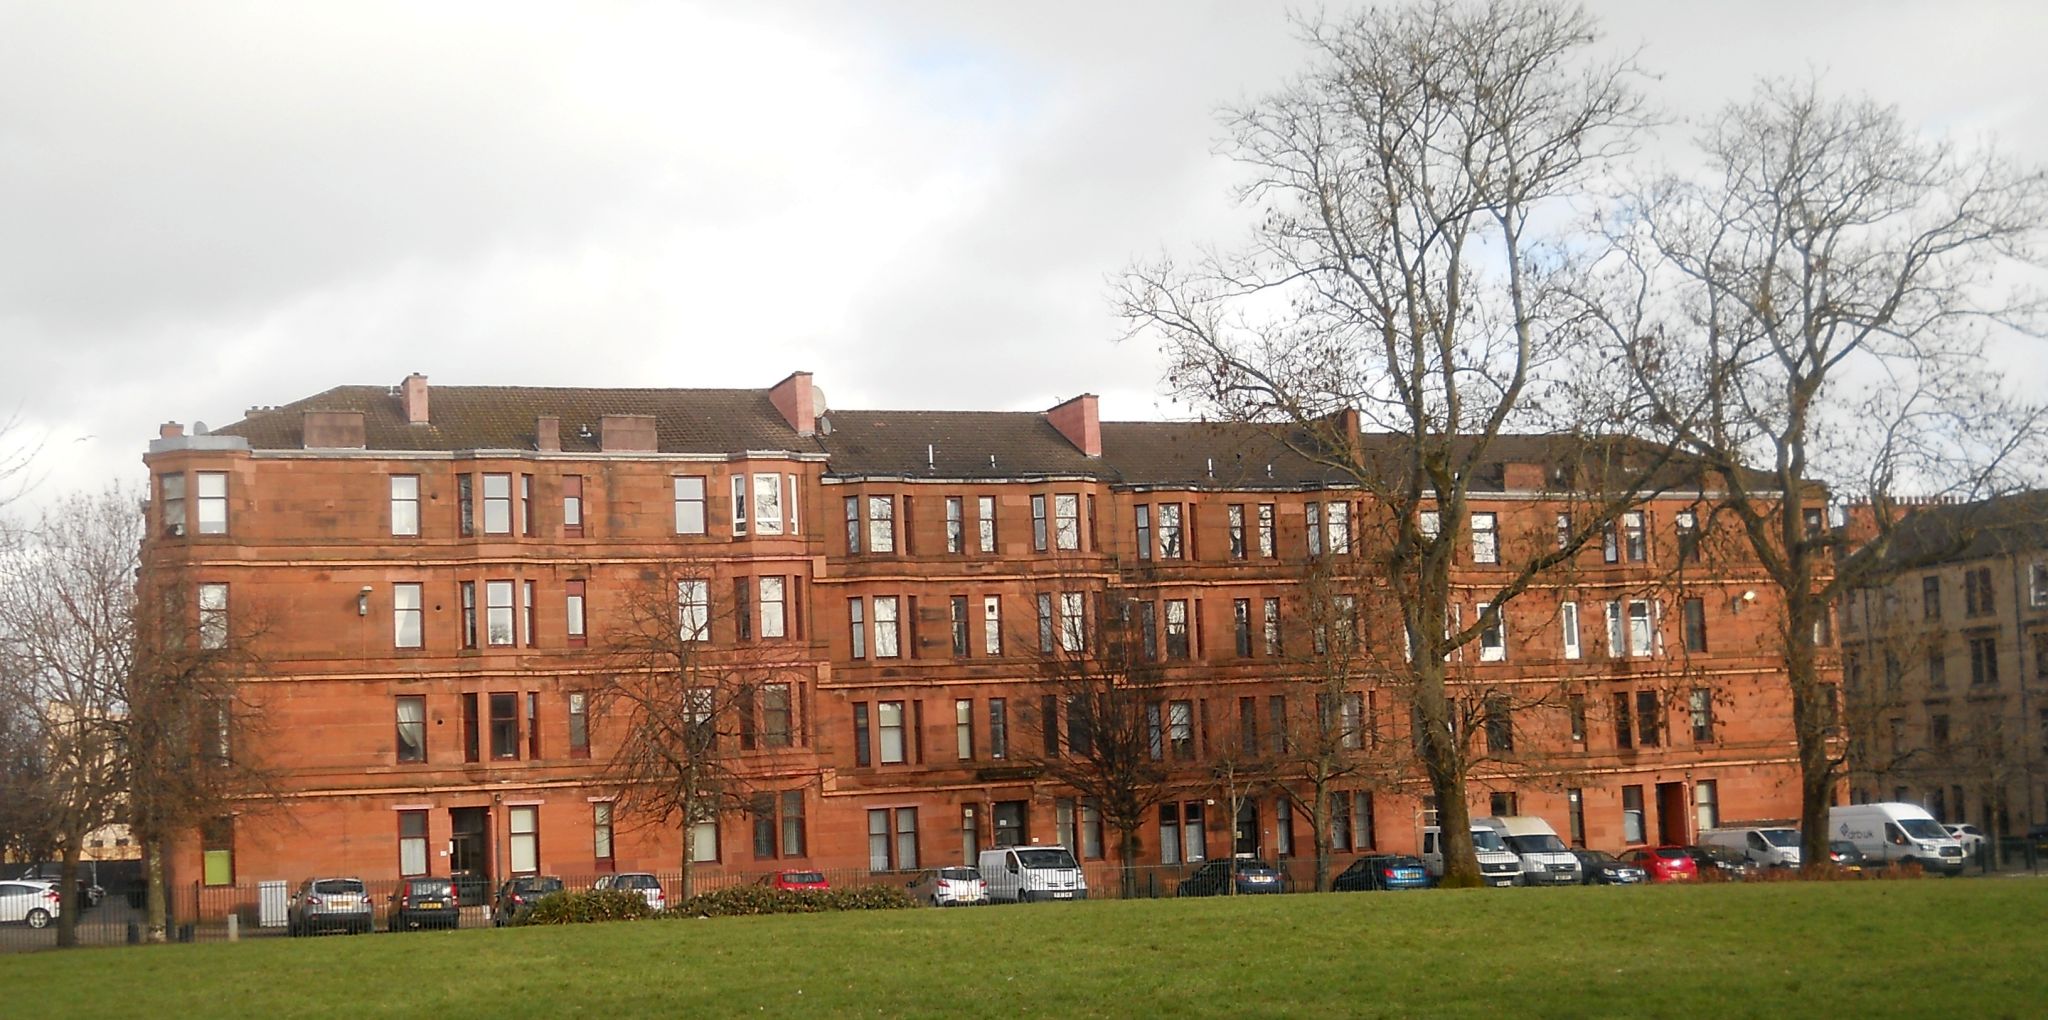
970,836
704,841
1632,829
1181,835
601,834
217,844
1706,804
412,843
525,840
892,839
1091,831
1011,828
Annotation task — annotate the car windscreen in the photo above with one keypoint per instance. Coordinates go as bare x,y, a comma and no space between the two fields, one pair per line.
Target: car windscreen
1045,859
1671,853
1487,839
544,885
802,877
332,886
1781,837
1921,828
1541,843
1595,856
959,874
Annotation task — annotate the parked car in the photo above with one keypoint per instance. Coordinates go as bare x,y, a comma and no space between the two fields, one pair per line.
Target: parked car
1664,863
89,892
424,903
516,897
1542,858
1844,855
1028,874
35,904
1244,875
1721,864
1382,871
798,881
329,904
956,886
648,886
1598,867
1769,846
1971,837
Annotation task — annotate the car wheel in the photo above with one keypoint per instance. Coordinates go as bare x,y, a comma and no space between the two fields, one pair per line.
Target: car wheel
38,918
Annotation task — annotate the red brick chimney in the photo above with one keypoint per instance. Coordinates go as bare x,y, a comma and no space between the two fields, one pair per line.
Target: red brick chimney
413,392
797,401
1079,420
170,430
547,435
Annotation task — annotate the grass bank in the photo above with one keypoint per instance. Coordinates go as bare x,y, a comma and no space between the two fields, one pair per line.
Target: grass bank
1840,949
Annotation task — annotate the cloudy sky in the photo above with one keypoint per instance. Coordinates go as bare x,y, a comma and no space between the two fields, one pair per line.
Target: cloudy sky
208,206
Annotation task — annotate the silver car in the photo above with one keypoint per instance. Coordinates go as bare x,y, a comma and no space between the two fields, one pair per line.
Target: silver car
648,886
949,887
329,904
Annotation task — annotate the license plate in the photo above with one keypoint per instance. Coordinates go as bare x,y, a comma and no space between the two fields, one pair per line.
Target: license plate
1063,896
431,905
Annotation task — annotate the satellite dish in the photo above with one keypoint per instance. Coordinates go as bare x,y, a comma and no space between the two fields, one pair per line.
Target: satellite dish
818,405
199,428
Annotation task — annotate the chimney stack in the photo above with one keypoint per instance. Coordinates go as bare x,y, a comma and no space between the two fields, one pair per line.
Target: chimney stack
797,401
547,435
413,392
170,430
1079,420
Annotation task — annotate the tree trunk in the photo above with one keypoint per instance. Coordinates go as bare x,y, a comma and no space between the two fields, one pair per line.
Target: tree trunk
689,870
156,920
1127,858
1320,824
72,903
1811,717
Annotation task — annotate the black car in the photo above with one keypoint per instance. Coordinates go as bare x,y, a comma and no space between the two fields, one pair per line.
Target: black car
1216,877
1382,871
1720,863
1844,855
425,903
517,896
1598,867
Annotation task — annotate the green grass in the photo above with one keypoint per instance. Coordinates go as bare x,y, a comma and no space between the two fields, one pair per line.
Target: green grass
1974,947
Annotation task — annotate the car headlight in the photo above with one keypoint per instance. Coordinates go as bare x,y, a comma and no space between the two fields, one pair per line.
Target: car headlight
1536,866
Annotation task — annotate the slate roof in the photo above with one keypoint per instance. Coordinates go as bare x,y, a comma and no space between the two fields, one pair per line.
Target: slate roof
1960,532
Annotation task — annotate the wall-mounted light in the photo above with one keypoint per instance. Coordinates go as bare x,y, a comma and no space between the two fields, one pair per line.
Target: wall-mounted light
363,601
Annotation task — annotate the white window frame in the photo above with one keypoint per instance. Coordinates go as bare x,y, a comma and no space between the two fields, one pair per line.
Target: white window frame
1485,538
887,753
523,822
690,492
1066,521
405,506
498,609
408,603
767,504
1568,624
1337,522
497,518
774,606
1073,622
888,638
741,515
693,609
992,624
1493,641
213,615
881,519
1642,629
210,492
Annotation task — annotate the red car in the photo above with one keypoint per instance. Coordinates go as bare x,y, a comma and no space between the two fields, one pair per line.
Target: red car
804,881
1665,863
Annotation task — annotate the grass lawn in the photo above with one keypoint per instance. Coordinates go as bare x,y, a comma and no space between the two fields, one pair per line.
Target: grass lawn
1971,947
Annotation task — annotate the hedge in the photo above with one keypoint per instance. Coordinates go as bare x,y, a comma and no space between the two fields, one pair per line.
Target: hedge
588,906
749,900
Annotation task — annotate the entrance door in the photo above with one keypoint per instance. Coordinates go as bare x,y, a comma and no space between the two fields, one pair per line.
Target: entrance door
469,852
1247,842
1011,829
1671,813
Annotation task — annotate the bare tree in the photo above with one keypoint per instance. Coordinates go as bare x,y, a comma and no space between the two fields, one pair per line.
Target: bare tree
1401,267
67,610
1120,748
683,707
1815,305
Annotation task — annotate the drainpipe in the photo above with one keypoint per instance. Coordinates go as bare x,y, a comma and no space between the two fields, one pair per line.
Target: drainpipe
2022,596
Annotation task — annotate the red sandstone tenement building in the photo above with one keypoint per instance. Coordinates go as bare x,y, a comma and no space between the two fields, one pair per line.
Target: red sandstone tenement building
431,573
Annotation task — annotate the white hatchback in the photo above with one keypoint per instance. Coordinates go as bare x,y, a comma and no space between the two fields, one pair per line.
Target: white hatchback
1970,836
33,903
949,887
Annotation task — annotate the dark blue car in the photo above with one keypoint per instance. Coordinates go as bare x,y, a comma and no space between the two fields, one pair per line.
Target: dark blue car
1382,871
1216,878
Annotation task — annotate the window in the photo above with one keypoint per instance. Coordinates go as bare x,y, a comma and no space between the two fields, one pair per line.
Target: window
856,629
1930,597
1181,839
525,827
1706,805
1564,531
740,517
1091,831
1430,523
992,624
1610,543
1266,530
1568,623
689,491
956,524
1575,706
881,524
1937,666
572,506
1234,523
1276,713
768,504
1485,539
1649,719
1977,599
985,523
213,616
1045,625
1575,815
407,626
1180,721
693,609
1639,631
1241,626
1632,826
526,505
412,843
2037,586
1148,631
465,504
963,728
504,725
171,518
1049,724
892,839
1080,724
498,612
998,728
1176,628
217,850
773,611
762,807
956,617
601,833
1066,519
497,504
527,634
1493,636
1073,622
579,724
412,727
470,745
1695,620
1624,722
853,525
886,645
1314,528
793,823
1702,704
1155,731
1687,524
1937,730
1272,626
1142,514
1351,720
1170,535
1632,533
1038,523
1337,519
776,716
572,612
1983,661
213,503
889,715
1500,725
405,505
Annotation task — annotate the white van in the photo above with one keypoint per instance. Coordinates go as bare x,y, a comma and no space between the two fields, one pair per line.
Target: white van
1025,874
1768,847
1497,864
1890,832
1544,858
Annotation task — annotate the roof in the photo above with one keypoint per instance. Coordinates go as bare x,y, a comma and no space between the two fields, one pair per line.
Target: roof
1960,532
